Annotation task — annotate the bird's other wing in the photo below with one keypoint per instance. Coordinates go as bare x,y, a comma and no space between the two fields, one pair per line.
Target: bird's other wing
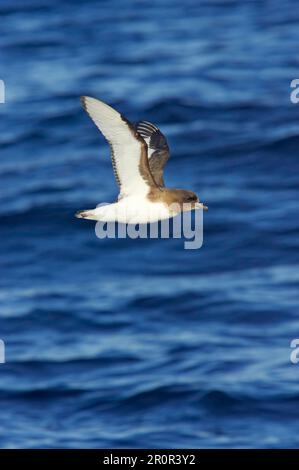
128,148
158,150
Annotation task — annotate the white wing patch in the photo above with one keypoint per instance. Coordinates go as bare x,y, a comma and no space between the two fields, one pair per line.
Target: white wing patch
126,148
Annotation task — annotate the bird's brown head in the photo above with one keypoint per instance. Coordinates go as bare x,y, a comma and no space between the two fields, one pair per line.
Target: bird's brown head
187,200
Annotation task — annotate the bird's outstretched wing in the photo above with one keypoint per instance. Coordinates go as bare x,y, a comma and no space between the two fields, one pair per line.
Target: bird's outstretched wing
158,150
128,148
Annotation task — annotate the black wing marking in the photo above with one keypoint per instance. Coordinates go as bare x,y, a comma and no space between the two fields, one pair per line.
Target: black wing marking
158,150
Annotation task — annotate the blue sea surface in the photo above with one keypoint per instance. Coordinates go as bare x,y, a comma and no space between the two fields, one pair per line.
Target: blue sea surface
141,343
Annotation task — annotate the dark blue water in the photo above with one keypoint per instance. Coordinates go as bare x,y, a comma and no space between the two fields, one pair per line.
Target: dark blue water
140,343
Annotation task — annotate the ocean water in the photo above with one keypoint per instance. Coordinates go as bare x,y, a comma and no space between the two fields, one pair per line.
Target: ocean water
141,343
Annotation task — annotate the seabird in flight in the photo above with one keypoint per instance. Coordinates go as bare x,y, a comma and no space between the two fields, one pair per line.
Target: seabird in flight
139,153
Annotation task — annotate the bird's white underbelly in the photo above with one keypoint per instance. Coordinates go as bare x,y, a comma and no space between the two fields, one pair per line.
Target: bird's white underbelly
132,210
